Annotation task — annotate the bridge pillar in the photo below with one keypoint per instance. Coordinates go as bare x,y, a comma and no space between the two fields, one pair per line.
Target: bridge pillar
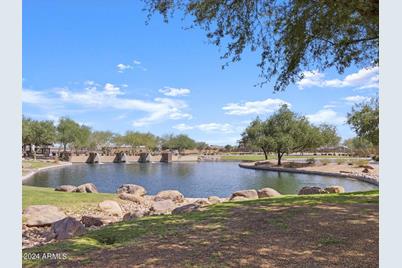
120,158
144,158
93,158
166,157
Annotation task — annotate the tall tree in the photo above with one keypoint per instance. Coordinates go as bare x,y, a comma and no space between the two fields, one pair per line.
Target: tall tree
329,135
67,130
136,139
82,139
283,132
100,139
254,137
26,131
291,35
179,142
202,145
37,133
364,119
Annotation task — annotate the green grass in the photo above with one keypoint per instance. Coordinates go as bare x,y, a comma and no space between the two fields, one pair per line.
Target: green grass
38,164
255,157
125,233
48,196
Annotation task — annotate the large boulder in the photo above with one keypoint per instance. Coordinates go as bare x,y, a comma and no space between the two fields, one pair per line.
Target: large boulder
202,202
66,188
172,195
214,200
267,192
244,195
86,188
42,215
132,215
335,189
186,209
89,221
312,190
238,198
67,228
132,189
162,207
132,197
111,208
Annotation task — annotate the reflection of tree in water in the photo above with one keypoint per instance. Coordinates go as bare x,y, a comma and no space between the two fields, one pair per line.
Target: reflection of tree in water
184,170
142,168
285,183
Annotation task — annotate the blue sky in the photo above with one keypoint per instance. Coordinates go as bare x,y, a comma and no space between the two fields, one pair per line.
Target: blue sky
98,63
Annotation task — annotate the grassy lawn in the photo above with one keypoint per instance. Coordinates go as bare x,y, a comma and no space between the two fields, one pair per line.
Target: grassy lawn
48,196
37,164
226,234
255,157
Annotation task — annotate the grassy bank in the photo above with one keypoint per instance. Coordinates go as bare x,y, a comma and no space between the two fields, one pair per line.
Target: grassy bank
256,157
35,164
223,235
70,201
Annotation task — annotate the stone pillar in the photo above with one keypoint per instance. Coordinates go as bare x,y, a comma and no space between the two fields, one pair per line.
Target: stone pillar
144,158
120,158
93,158
166,157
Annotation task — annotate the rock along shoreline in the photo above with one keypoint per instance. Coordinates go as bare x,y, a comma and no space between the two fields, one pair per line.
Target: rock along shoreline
367,179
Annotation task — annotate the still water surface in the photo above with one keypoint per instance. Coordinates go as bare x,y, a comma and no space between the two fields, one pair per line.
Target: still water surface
200,179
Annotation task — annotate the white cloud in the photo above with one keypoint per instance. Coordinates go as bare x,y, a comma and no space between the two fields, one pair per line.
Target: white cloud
356,99
34,97
183,127
254,107
111,89
121,67
174,92
139,65
326,115
364,78
211,127
329,106
109,96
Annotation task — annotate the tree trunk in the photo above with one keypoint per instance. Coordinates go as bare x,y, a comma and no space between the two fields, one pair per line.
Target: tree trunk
265,153
65,147
34,152
279,158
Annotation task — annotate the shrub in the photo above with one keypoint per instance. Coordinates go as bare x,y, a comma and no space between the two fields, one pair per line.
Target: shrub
310,161
361,162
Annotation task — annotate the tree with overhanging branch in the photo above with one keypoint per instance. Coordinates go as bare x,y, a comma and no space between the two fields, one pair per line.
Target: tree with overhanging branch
291,36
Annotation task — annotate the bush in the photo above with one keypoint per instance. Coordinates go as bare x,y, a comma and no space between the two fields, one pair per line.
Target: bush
325,162
361,162
310,161
376,158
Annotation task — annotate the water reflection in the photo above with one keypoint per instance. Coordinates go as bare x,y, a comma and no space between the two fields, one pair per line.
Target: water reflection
192,179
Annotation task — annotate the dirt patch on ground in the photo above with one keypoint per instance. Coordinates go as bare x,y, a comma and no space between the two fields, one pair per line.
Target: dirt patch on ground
328,235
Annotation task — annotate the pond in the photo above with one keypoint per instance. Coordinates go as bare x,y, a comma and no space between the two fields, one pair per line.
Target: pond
195,179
